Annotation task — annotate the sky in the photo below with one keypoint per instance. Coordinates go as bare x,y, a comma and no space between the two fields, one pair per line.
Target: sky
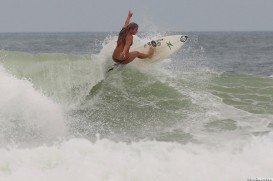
151,15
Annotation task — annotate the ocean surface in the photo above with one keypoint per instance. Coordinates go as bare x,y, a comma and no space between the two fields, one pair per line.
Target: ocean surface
205,113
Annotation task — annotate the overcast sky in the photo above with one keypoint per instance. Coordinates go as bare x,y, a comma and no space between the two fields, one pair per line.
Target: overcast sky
153,15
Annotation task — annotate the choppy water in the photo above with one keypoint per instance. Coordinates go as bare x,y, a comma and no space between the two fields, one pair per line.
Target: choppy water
206,113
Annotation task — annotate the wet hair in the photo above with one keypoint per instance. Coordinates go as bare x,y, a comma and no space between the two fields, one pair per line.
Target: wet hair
124,32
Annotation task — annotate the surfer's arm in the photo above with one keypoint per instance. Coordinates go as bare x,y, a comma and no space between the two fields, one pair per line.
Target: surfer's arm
128,19
129,40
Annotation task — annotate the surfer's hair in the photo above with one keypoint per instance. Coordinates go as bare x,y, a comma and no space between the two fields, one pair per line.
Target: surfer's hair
124,32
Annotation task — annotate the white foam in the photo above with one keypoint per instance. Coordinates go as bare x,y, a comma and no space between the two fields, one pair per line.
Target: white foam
20,102
80,159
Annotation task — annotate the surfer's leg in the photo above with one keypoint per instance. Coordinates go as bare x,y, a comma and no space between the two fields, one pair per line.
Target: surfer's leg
133,55
137,54
147,55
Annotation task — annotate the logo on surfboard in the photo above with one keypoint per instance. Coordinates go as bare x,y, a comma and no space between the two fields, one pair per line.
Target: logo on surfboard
154,43
169,44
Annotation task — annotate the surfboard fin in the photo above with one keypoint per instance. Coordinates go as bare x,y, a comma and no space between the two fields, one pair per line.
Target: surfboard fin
113,67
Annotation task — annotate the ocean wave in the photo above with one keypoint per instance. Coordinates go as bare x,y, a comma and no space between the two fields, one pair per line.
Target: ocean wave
64,78
176,120
146,102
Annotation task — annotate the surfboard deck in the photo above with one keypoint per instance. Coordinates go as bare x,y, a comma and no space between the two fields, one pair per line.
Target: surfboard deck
164,46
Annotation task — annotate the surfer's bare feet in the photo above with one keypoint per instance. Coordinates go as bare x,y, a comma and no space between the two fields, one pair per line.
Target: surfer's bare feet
151,52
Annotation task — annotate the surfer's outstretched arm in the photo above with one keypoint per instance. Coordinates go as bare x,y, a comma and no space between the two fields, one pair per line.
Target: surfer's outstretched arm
130,14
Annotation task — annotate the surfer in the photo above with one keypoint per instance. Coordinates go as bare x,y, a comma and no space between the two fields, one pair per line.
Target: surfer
121,53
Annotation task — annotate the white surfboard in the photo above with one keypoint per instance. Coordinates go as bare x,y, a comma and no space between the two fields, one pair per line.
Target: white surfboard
164,46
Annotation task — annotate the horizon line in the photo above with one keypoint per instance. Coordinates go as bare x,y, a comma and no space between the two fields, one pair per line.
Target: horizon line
139,32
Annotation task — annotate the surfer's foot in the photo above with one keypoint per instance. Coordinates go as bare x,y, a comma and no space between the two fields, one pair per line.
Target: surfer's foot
151,52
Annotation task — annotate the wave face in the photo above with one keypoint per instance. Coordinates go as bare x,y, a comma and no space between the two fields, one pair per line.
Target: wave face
63,117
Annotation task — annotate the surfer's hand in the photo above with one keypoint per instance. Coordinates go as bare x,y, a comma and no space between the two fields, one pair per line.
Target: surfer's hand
130,14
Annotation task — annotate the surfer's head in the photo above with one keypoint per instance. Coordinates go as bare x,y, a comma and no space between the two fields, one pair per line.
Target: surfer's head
133,28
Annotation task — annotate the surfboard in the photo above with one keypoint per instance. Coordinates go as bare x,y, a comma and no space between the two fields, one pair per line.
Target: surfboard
164,47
